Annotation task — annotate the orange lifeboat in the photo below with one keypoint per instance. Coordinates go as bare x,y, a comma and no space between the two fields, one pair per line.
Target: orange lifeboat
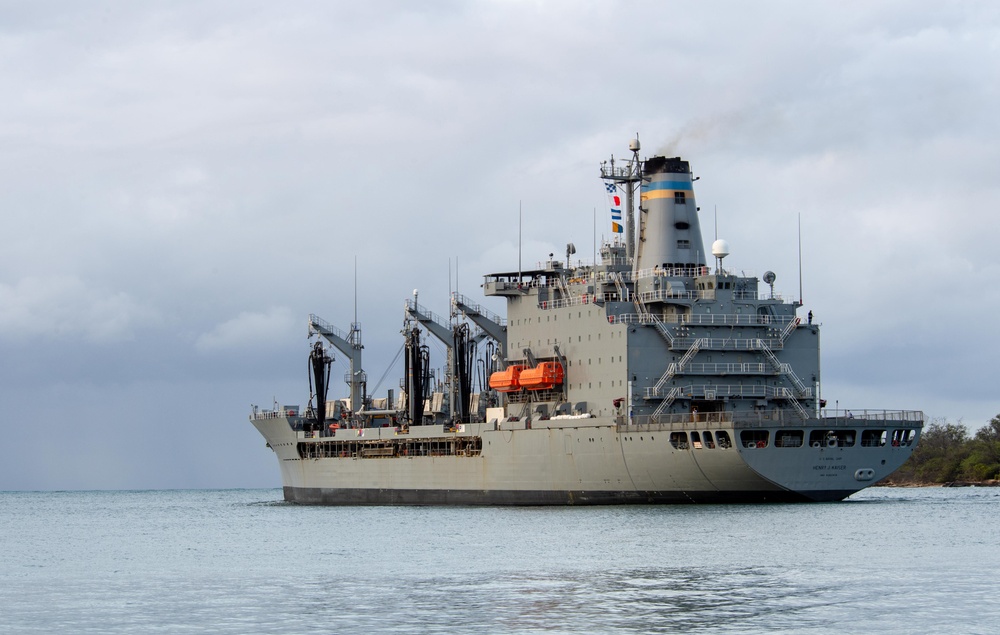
506,380
545,376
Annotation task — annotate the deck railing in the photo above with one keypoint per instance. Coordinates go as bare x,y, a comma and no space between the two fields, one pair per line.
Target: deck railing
711,319
770,418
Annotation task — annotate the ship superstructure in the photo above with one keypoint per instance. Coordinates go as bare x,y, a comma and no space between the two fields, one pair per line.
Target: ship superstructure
653,375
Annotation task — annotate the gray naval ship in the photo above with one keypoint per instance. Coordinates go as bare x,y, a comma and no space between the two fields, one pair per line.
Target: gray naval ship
655,375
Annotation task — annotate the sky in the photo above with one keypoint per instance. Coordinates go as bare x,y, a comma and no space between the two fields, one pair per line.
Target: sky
183,183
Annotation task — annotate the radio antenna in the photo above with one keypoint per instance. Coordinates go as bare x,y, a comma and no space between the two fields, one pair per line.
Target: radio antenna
519,222
800,258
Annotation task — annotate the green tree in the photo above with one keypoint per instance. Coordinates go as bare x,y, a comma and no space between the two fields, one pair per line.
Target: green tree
938,456
983,461
991,431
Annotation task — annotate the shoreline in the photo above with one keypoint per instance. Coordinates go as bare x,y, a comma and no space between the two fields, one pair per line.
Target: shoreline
986,483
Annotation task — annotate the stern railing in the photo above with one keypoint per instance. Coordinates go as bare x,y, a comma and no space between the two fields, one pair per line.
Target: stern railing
772,418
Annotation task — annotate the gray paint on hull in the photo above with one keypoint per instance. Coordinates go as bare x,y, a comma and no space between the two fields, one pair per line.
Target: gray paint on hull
654,474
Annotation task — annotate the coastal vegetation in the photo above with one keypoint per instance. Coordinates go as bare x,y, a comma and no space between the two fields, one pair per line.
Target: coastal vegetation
946,453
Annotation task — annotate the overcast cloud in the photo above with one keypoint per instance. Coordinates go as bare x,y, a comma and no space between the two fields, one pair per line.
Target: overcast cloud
182,183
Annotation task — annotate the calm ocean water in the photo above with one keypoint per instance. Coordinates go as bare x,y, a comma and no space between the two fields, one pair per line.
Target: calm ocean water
885,561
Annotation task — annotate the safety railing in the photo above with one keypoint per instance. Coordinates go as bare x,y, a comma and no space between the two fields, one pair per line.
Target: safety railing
775,417
319,325
575,300
716,391
463,301
423,314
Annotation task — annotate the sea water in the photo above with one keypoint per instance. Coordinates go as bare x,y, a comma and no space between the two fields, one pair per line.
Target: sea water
243,561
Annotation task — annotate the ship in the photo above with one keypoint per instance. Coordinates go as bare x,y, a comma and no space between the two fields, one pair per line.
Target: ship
654,374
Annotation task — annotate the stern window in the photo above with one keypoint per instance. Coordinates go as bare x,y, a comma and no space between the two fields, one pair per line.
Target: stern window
902,437
832,438
754,438
789,438
873,438
696,441
679,440
723,438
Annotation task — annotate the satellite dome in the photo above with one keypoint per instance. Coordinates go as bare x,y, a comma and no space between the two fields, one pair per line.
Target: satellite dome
720,248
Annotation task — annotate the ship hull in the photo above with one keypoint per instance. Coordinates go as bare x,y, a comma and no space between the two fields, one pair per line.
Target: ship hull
596,464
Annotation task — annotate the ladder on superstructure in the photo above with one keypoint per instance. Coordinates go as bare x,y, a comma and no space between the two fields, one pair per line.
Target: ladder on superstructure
672,370
757,344
645,316
786,370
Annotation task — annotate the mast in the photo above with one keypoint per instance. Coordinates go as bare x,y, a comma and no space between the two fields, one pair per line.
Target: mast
452,380
630,176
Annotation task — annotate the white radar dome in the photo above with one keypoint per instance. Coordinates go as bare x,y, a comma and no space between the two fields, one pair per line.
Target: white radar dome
720,248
